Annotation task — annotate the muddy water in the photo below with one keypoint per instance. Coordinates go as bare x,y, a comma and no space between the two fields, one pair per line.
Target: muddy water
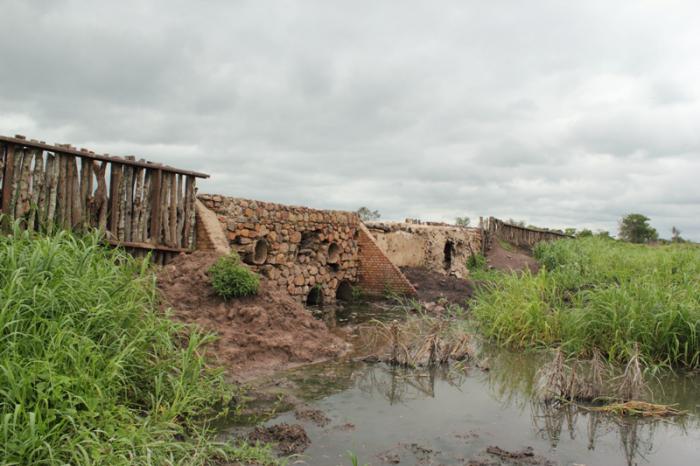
449,417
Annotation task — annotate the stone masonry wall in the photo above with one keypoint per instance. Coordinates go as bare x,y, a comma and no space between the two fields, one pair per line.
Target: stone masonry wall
438,247
312,253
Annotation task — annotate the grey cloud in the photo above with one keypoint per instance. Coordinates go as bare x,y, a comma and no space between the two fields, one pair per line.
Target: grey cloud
556,113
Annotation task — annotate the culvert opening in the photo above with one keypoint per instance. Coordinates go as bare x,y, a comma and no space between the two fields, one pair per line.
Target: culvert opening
344,291
333,253
449,252
315,297
258,255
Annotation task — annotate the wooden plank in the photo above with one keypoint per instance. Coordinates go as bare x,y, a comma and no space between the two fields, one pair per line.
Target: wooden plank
156,180
45,191
8,178
145,207
138,205
85,190
53,193
101,201
121,234
164,199
37,190
173,210
114,183
107,158
3,150
77,219
180,211
128,201
189,207
25,183
192,219
16,181
62,191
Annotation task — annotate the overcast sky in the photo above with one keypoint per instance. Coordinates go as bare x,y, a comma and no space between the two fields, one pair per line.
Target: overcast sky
558,113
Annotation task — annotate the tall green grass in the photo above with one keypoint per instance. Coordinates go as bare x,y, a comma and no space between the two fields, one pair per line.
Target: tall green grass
598,293
89,372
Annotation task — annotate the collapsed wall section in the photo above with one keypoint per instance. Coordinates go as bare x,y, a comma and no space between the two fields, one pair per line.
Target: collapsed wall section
311,253
378,275
438,247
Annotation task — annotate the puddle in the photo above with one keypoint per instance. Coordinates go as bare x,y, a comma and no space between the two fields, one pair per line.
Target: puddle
466,415
448,417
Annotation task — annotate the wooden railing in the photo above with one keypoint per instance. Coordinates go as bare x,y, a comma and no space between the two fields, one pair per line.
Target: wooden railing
138,204
524,237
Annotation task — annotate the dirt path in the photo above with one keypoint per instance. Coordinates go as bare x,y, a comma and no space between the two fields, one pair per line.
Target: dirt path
257,335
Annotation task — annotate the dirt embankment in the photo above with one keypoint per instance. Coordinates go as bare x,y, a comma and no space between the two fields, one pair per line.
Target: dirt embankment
433,286
258,334
510,260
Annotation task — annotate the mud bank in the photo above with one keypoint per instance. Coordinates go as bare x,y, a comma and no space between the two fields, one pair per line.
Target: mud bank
256,335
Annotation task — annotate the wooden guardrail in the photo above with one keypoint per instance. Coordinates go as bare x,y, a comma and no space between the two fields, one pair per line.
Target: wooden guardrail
524,237
138,204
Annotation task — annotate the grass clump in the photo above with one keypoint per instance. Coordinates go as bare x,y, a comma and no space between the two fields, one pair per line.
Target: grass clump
231,279
594,294
476,262
89,372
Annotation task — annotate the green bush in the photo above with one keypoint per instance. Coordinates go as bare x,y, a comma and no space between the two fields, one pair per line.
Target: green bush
231,279
90,371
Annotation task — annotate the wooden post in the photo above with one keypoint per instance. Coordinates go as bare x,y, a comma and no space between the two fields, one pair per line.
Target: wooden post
37,190
8,178
45,190
101,206
53,192
189,207
76,206
114,183
180,211
165,217
156,180
138,205
173,210
145,206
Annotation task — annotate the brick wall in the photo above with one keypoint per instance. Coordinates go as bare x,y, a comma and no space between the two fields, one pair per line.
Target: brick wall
377,274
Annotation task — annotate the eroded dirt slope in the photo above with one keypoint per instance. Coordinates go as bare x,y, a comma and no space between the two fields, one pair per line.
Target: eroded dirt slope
513,260
258,334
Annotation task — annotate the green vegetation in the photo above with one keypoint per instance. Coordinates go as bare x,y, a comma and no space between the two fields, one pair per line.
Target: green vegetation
635,228
596,294
476,262
367,215
462,221
231,279
89,372
505,245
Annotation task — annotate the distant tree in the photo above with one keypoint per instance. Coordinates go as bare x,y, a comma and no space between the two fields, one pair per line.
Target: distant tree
603,234
462,221
676,235
635,228
367,215
570,231
516,222
584,232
